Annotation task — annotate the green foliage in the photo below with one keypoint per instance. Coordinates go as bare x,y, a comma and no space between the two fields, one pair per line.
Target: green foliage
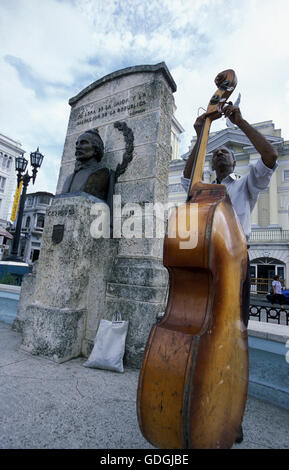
8,279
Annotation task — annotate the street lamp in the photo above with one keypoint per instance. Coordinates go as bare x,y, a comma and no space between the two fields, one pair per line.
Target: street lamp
21,163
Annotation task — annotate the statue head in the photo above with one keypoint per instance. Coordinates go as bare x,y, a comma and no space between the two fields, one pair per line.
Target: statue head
89,145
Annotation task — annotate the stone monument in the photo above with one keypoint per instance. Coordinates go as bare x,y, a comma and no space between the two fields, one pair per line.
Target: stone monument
79,278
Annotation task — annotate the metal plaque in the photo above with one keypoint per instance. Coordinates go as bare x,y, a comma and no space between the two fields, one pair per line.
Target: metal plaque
57,233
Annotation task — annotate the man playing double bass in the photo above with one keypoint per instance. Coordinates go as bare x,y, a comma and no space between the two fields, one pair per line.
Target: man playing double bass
243,191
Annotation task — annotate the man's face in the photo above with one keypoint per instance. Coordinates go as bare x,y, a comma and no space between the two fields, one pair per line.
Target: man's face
84,148
223,161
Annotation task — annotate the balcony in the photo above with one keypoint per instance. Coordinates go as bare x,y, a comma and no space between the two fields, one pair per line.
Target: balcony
37,229
269,235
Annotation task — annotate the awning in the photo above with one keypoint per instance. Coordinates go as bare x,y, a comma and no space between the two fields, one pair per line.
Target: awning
4,233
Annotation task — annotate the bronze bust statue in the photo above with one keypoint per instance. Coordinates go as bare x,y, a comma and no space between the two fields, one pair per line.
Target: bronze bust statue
90,175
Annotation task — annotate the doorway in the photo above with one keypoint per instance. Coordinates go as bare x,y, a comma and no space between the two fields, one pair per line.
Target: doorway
263,271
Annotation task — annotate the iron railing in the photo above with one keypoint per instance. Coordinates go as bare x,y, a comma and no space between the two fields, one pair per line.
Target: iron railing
270,314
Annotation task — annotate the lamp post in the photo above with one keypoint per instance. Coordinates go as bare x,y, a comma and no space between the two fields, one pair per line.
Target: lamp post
21,163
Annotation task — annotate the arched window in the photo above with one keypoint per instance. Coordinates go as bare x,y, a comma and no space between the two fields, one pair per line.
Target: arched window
9,161
40,220
4,162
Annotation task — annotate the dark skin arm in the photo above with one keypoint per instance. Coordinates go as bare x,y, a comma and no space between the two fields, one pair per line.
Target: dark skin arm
267,152
263,147
198,128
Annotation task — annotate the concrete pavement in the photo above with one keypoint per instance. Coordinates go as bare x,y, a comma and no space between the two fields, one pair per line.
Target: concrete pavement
45,405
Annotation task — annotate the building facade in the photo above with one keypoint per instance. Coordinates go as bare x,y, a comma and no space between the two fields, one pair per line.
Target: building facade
35,208
269,240
9,150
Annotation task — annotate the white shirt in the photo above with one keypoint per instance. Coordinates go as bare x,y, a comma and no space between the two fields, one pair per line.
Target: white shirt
244,191
278,287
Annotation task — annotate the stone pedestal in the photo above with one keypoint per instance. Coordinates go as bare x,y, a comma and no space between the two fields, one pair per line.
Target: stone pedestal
70,282
53,332
94,278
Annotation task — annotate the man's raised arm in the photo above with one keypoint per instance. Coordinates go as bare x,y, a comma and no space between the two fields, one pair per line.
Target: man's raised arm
267,152
198,128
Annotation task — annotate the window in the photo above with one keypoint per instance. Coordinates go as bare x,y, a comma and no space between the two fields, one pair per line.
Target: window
2,184
27,223
29,201
253,275
280,271
4,162
286,176
34,255
40,221
43,199
9,161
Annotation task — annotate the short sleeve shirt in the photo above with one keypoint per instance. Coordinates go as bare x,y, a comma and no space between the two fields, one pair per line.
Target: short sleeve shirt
244,191
278,287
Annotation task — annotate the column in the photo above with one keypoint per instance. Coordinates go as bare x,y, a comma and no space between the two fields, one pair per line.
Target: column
273,201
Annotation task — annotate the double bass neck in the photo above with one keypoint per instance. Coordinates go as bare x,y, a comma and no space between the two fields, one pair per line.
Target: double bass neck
226,82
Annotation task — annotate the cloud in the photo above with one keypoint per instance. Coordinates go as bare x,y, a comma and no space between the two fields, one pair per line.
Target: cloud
255,46
50,37
51,50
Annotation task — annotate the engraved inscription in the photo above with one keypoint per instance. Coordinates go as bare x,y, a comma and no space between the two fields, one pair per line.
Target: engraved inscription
133,105
61,212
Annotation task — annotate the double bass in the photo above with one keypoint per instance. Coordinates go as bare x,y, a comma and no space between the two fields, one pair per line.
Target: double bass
193,382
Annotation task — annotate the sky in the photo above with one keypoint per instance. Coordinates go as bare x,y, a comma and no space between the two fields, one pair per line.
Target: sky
51,49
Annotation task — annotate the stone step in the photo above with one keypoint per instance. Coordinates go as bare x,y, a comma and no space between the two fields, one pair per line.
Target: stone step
140,272
136,293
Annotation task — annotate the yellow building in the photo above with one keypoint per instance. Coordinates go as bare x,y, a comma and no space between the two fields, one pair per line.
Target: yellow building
269,241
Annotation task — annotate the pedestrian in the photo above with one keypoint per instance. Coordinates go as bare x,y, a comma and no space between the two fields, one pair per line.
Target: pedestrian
278,297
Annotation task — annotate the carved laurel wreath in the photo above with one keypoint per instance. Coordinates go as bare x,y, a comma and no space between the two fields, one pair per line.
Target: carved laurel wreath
129,147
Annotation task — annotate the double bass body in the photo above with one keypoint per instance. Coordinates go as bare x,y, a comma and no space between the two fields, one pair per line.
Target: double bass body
193,383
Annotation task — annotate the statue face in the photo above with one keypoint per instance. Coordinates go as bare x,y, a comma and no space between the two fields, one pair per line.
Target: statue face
84,147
